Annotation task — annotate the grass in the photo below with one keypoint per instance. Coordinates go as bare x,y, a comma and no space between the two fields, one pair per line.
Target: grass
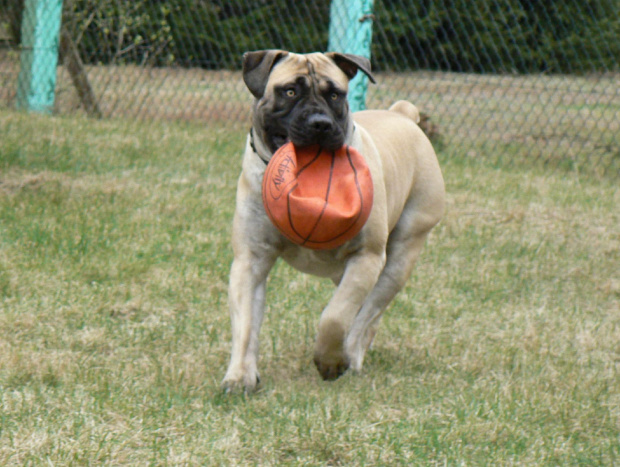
570,122
114,332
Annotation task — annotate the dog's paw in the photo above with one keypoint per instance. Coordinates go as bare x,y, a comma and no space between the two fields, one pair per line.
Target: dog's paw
331,368
234,384
329,356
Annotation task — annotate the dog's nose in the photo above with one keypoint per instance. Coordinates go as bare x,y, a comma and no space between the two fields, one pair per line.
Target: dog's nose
320,123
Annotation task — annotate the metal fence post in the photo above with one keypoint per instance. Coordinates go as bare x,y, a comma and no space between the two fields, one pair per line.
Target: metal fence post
39,55
350,31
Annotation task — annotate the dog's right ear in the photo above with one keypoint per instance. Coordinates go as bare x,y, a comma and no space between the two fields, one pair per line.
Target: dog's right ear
256,68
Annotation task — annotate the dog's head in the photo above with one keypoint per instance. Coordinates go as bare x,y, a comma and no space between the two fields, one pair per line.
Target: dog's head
301,98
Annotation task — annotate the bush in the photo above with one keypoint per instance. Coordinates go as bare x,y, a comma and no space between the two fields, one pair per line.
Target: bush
498,35
215,34
557,36
209,34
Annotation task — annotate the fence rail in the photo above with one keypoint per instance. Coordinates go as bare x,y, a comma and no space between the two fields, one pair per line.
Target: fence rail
509,80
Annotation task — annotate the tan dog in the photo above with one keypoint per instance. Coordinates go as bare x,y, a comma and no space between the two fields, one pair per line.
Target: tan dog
302,98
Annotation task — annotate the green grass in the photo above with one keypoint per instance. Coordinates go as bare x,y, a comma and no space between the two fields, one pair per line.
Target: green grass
549,121
504,348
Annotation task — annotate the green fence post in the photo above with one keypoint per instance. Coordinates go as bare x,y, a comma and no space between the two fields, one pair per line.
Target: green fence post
39,55
350,31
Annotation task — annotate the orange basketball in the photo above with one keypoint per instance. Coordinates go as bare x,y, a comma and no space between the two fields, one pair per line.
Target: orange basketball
318,199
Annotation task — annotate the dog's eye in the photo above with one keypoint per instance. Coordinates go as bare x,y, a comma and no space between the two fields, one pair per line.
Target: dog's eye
334,96
290,93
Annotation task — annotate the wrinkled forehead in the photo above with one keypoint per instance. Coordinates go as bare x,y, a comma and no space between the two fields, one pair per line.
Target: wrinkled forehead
319,68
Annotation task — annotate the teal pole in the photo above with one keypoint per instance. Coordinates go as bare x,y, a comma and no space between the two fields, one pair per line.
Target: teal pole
350,31
39,55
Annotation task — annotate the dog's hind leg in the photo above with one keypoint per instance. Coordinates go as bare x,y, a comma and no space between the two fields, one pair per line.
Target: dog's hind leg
403,249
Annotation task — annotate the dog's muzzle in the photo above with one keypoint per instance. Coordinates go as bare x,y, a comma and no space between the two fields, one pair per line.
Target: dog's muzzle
316,128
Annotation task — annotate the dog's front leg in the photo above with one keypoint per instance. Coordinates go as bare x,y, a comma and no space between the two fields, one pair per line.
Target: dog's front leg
360,276
246,297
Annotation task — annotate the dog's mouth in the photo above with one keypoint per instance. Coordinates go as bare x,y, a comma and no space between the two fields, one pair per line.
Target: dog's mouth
329,142
302,133
279,140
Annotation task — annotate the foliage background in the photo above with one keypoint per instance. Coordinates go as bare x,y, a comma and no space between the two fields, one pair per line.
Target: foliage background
487,36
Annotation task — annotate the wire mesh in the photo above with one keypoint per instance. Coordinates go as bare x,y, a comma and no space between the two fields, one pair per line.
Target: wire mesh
513,81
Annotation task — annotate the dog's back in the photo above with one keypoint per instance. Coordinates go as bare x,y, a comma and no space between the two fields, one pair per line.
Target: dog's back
408,158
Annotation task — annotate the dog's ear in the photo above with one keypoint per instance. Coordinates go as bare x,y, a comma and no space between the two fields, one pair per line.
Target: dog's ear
256,68
351,64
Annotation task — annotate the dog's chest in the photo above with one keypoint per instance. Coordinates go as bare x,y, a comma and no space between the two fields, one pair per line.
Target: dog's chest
319,263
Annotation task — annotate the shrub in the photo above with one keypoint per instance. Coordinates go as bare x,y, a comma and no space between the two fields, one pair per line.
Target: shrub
557,36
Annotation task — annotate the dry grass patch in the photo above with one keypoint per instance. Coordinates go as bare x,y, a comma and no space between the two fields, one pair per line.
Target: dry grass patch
570,122
114,330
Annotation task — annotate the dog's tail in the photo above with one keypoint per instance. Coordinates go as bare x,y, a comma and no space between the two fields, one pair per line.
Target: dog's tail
407,109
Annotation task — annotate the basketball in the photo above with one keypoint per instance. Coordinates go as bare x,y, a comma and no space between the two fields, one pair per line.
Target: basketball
318,199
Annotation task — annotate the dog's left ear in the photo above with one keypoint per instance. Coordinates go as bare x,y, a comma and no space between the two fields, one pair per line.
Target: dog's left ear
256,68
351,64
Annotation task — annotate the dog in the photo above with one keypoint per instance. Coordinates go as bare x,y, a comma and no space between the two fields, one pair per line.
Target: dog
303,98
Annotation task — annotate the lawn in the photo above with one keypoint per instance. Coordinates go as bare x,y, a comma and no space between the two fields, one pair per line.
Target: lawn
504,348
571,122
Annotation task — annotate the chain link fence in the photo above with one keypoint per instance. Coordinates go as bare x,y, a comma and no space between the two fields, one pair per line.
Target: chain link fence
513,81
